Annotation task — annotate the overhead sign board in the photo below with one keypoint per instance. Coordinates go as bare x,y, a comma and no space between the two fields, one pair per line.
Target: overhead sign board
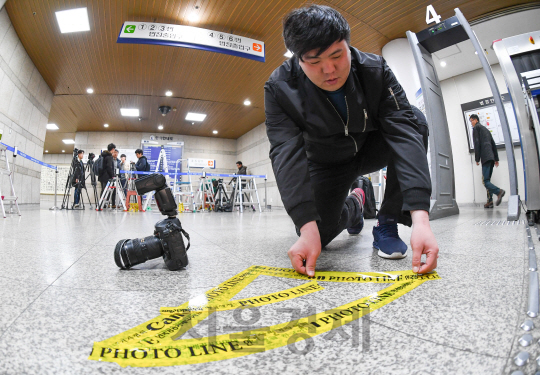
191,37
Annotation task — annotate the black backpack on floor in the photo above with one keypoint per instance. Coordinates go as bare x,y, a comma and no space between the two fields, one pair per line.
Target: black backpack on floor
370,207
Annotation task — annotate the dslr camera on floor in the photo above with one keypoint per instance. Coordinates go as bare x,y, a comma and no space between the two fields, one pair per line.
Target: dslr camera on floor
167,240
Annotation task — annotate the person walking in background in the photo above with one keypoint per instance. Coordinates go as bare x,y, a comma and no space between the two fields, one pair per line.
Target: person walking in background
485,151
107,170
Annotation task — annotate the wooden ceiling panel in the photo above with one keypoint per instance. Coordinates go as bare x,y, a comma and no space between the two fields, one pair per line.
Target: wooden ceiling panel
123,74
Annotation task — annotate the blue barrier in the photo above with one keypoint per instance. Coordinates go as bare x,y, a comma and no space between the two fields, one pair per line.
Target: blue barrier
197,174
19,152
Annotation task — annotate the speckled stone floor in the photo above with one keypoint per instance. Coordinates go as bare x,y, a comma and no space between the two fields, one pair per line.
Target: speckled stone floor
60,291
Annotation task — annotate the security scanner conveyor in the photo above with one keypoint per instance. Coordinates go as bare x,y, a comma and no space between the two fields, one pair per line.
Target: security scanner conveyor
435,38
519,58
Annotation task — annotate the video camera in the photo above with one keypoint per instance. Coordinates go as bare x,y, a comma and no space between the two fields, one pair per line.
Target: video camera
167,240
91,156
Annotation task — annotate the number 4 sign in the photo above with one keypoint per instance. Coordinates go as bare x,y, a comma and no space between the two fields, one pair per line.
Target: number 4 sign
431,15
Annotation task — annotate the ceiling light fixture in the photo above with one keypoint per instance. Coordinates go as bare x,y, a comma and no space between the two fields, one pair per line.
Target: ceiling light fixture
46,150
68,141
73,20
106,125
63,150
247,102
288,54
168,93
191,116
160,127
215,132
90,90
52,127
132,112
443,63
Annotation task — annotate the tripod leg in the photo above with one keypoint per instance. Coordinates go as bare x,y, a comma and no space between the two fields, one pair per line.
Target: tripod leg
89,202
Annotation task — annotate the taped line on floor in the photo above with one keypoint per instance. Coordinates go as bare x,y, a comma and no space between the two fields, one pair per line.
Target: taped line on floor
154,343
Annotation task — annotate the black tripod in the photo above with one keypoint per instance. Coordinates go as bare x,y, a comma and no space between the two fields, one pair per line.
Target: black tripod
78,186
92,175
221,197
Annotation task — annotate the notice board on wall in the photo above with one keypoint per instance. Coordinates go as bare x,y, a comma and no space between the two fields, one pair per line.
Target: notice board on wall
489,117
172,152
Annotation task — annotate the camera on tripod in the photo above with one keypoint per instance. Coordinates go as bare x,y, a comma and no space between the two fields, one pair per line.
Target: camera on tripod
167,240
91,156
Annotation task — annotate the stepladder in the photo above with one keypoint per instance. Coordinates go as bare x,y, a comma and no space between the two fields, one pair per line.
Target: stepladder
107,196
6,171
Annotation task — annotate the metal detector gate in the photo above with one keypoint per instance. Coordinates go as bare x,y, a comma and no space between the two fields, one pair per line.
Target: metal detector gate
519,59
445,34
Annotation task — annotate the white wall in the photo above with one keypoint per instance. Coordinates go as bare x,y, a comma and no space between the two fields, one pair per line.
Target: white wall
25,103
456,91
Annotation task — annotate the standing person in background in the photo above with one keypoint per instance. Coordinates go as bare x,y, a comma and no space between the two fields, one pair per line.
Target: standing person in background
485,150
124,166
116,163
106,172
241,168
78,177
142,164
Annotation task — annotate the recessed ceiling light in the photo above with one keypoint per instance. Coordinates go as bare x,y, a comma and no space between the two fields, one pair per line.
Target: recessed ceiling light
215,132
63,150
106,125
73,20
195,116
288,54
168,93
160,127
133,112
68,141
475,52
194,17
52,127
443,63
90,90
247,102
46,150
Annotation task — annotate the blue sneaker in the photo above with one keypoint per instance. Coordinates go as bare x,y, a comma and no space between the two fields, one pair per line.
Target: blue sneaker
359,195
386,239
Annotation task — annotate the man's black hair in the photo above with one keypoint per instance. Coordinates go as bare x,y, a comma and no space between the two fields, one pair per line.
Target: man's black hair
80,152
473,116
314,27
123,156
138,151
110,147
239,162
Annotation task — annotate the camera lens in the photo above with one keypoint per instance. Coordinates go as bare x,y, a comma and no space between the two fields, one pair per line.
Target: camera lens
129,253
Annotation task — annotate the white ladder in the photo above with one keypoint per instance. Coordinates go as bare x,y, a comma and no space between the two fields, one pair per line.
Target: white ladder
162,158
205,194
7,171
180,185
250,190
106,196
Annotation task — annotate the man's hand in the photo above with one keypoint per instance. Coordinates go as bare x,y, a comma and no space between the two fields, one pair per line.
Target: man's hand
423,242
496,163
76,181
477,163
308,248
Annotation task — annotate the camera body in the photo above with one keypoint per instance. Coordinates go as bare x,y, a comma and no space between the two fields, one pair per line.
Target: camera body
167,239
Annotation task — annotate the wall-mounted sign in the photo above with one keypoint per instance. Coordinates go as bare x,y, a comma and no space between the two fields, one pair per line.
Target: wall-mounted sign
191,37
202,163
486,111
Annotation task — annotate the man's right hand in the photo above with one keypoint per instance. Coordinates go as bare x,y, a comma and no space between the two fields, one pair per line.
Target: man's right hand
477,163
308,248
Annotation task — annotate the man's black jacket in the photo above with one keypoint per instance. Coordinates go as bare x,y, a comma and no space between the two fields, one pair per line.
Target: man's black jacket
78,173
485,148
107,167
142,164
302,125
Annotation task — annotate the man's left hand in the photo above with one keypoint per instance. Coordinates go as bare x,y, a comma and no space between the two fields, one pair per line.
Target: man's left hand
496,163
423,242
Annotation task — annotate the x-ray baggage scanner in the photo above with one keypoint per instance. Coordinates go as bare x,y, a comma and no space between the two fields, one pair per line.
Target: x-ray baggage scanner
435,38
519,58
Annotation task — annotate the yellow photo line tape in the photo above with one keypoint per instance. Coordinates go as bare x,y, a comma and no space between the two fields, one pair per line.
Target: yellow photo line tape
267,299
190,351
142,347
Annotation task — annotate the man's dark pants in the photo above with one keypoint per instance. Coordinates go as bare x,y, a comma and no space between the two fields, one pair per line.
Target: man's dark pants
331,184
487,171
